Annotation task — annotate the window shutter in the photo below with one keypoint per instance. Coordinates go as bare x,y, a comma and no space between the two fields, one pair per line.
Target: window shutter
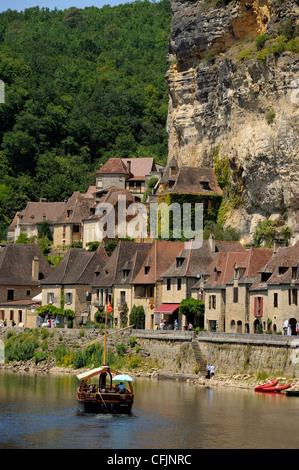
290,297
255,305
47,297
71,298
261,306
210,302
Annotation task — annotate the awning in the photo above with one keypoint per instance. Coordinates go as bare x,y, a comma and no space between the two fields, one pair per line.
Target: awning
167,308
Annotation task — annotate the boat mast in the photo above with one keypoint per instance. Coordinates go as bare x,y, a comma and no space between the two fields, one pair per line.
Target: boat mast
105,339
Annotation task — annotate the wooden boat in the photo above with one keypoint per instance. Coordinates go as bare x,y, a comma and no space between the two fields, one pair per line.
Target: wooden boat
105,397
272,383
277,388
292,393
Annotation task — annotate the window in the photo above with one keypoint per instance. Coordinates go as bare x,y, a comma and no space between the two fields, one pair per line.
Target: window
168,284
27,293
236,294
126,272
293,296
275,302
69,212
265,277
122,297
179,262
179,283
212,302
282,269
68,298
10,294
258,306
146,270
294,273
50,298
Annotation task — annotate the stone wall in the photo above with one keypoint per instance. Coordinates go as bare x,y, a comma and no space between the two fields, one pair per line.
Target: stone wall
172,352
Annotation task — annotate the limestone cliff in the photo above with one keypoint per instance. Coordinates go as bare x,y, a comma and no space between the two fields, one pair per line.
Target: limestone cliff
230,98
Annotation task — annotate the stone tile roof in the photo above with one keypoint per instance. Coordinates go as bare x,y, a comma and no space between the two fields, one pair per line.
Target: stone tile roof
196,261
114,166
132,167
75,209
77,267
140,166
16,265
221,270
126,256
284,257
192,180
162,254
36,212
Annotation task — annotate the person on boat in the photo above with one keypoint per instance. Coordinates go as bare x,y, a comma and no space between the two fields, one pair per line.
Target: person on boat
121,388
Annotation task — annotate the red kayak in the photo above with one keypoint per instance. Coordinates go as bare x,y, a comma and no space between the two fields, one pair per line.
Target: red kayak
278,388
268,384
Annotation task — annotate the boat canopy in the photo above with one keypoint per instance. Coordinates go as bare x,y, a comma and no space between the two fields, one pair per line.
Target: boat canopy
92,372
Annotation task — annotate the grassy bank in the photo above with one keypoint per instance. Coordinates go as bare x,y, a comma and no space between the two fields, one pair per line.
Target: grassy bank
41,345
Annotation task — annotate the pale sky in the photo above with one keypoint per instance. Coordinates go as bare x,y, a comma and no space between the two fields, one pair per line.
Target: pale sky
21,5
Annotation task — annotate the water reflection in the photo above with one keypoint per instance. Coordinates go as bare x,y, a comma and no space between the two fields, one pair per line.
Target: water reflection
41,412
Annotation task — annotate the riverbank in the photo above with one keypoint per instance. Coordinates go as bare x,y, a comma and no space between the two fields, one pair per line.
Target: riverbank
241,381
150,354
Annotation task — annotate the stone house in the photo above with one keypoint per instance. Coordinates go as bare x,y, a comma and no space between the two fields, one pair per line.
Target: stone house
29,220
114,280
68,227
101,224
183,278
227,297
193,181
69,284
148,282
274,302
22,268
127,173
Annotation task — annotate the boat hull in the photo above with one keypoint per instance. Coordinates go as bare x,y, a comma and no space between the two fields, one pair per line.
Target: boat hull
276,389
268,384
101,408
115,403
292,393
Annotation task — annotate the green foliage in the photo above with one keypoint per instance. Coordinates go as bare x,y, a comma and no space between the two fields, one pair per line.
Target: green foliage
121,349
192,308
137,317
270,116
44,231
260,41
220,233
265,232
81,85
150,186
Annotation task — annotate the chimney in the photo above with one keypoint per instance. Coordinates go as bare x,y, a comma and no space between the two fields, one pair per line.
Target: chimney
35,268
212,243
129,166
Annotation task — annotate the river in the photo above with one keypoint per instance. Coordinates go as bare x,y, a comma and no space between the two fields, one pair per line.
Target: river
40,412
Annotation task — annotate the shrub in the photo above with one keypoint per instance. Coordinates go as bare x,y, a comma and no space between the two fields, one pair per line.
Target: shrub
121,349
270,116
260,41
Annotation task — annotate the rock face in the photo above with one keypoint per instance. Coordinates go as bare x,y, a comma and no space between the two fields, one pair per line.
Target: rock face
224,99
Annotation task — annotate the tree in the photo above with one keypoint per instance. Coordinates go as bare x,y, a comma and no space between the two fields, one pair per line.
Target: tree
137,317
192,309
